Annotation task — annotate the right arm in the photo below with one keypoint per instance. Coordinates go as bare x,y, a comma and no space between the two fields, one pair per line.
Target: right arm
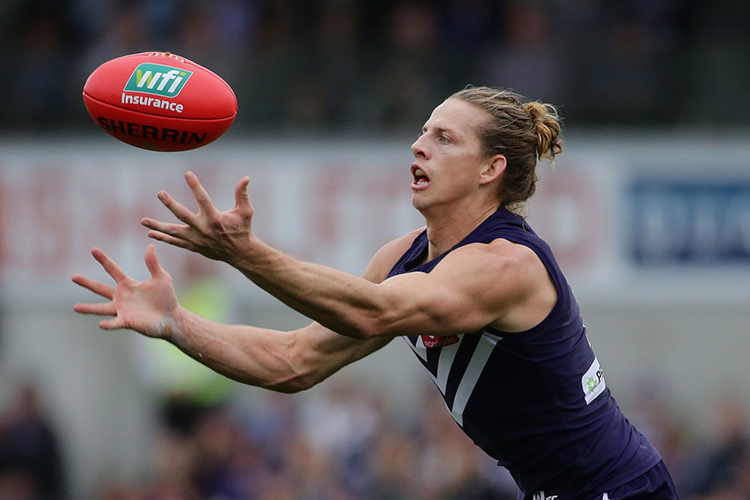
282,361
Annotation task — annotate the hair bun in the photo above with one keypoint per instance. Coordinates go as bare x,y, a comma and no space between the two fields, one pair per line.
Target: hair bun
547,123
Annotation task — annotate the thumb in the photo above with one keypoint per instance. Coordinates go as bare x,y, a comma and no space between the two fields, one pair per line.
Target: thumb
152,261
111,324
241,196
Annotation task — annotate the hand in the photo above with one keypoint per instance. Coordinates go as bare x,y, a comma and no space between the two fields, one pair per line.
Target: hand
143,306
216,235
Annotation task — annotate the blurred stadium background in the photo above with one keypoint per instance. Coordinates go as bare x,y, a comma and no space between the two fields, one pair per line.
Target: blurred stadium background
648,210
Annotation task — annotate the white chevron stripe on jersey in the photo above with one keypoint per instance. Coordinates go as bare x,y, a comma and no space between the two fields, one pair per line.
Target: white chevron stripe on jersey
469,380
445,363
420,349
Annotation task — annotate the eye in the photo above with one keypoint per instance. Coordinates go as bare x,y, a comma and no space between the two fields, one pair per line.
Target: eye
444,139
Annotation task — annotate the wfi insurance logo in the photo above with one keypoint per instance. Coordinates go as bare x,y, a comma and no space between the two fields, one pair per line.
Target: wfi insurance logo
157,79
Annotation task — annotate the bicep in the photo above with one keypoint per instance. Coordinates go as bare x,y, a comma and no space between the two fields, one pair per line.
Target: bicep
471,288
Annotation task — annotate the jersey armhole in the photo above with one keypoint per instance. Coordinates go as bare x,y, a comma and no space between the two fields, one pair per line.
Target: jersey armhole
561,285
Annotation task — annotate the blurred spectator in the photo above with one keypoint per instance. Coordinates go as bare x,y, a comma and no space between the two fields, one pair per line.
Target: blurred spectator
625,61
216,34
720,466
718,71
651,410
468,25
31,463
43,43
123,30
529,56
410,81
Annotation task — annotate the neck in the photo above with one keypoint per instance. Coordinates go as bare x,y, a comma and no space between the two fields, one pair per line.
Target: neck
445,230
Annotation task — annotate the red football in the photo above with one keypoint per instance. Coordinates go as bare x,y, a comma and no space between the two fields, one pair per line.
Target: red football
159,101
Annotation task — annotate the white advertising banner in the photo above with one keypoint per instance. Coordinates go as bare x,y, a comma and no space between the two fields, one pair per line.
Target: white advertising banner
634,219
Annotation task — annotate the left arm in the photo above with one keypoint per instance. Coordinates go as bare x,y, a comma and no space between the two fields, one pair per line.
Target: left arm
499,283
474,286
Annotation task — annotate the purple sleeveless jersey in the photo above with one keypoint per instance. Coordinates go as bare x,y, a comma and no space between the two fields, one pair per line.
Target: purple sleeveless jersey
536,401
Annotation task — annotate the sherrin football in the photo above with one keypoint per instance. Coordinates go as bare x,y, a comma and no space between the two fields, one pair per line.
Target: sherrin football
159,101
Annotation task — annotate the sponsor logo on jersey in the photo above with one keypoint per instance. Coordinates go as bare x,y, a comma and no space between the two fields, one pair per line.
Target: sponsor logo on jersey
157,79
432,341
592,382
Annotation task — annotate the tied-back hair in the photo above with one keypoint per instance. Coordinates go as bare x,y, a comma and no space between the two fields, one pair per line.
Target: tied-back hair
522,131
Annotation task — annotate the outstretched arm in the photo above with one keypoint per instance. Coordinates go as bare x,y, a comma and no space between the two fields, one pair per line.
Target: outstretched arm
501,283
282,361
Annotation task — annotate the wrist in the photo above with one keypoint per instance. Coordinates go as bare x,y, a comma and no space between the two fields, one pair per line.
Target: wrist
173,328
255,255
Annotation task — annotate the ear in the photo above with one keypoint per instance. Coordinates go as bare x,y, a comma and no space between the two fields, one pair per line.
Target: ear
492,170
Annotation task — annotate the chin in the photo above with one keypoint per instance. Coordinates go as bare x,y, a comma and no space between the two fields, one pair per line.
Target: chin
420,203
416,202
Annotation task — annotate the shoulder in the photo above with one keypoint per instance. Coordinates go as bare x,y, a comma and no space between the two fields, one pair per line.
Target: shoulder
499,253
515,255
523,272
526,292
385,258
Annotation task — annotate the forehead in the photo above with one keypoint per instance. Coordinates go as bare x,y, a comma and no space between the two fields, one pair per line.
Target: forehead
457,115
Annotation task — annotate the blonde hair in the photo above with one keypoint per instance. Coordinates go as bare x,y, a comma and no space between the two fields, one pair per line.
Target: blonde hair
523,132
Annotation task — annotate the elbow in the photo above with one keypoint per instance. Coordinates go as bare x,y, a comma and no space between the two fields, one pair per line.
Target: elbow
399,321
377,325
364,332
384,316
362,326
292,372
294,383
288,388
292,386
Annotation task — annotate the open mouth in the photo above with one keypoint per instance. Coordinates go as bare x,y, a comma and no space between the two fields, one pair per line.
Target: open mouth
420,177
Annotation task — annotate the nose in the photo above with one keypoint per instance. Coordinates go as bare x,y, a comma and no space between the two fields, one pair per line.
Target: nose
419,149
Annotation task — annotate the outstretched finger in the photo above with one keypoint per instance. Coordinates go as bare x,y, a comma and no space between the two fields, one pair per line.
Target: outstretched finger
109,265
156,235
241,195
97,287
177,208
104,309
176,230
200,193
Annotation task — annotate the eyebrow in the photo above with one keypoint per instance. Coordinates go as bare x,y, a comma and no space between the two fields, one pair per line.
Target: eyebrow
441,130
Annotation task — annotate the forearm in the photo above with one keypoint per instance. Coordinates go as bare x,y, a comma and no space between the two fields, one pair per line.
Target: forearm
250,355
345,303
281,361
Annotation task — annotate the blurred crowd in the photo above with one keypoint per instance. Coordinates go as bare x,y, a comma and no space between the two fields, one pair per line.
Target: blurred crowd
344,443
374,66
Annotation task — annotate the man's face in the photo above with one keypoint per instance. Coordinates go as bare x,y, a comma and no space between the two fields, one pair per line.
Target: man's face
448,157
